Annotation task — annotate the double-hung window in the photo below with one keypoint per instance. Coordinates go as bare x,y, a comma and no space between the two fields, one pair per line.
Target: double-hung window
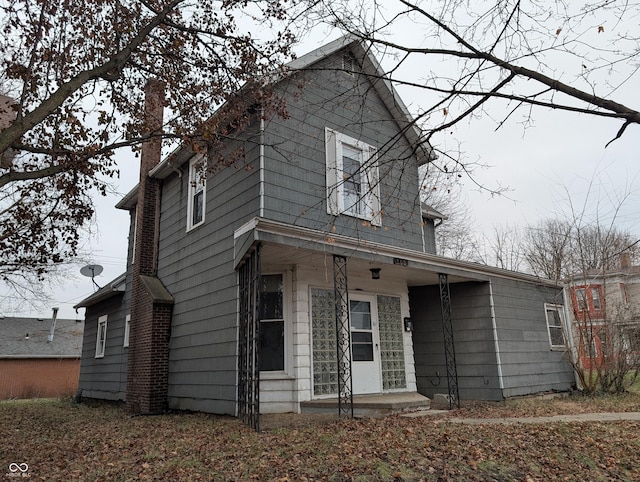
555,325
594,343
101,337
272,334
352,178
197,191
588,301
624,295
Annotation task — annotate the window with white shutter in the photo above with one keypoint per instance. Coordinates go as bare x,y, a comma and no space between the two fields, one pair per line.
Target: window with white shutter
352,178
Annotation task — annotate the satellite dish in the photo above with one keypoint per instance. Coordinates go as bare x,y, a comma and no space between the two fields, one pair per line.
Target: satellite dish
91,271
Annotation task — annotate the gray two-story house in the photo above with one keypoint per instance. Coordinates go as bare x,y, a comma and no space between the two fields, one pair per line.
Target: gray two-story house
314,246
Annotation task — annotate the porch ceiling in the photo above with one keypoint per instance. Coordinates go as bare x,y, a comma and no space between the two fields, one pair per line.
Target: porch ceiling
286,244
279,255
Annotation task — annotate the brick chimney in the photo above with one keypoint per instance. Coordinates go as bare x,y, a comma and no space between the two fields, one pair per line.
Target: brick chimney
625,261
151,303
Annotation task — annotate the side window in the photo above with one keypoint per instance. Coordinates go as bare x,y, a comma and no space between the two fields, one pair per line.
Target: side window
624,296
127,327
588,301
101,337
581,299
197,192
594,345
272,323
555,325
352,178
595,297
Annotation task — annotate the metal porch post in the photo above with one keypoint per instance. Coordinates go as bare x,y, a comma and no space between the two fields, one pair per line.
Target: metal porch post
343,337
249,342
449,346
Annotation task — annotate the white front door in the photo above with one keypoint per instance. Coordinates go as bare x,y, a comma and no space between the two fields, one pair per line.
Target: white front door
365,351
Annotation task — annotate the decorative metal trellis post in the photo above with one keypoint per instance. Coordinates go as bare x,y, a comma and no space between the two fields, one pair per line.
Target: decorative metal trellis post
343,337
249,341
449,347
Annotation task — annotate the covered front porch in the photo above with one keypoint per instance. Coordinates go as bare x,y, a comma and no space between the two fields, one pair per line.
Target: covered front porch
361,287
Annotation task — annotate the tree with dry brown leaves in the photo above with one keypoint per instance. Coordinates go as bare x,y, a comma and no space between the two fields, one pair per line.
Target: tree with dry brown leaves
76,70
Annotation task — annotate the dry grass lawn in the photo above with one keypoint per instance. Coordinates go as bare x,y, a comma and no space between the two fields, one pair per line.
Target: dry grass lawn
62,441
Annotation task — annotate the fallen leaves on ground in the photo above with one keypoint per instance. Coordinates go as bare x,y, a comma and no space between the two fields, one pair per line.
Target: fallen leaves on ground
549,405
61,441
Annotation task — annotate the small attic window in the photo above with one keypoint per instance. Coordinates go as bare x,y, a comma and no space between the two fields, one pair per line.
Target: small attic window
349,63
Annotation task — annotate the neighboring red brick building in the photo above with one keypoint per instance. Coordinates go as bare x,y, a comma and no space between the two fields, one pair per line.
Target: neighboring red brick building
605,313
34,364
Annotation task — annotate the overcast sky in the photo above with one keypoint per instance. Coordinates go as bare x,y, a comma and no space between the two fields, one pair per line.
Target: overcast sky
559,155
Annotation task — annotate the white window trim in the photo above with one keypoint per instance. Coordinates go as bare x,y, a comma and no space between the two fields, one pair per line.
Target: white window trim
560,310
335,180
192,190
127,329
100,347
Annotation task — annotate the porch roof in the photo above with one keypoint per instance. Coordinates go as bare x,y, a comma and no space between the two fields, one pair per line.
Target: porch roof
309,246
113,288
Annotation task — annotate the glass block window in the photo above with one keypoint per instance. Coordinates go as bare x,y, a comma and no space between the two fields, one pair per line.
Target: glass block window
323,332
391,343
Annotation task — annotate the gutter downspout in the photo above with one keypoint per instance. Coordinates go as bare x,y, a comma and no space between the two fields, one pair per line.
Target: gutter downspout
568,329
495,339
261,163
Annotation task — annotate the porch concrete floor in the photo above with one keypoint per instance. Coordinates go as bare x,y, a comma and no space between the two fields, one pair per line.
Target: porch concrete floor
376,405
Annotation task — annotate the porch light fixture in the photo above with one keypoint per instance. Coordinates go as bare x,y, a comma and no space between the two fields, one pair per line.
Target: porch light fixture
375,273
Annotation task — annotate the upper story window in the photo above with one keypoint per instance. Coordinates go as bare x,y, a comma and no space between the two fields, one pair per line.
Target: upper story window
555,325
101,337
352,178
588,301
197,191
624,295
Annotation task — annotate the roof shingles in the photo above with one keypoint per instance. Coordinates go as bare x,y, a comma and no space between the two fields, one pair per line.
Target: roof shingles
14,342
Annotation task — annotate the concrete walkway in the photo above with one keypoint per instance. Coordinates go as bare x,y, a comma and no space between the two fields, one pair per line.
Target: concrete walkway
582,417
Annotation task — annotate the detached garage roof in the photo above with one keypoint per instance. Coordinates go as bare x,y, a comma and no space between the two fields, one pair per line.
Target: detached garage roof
29,338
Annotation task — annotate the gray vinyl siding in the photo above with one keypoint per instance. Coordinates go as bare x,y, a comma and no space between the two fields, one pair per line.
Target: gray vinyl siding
473,334
104,378
197,267
295,165
429,230
528,363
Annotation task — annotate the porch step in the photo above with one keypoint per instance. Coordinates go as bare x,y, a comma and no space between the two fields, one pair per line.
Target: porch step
378,405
